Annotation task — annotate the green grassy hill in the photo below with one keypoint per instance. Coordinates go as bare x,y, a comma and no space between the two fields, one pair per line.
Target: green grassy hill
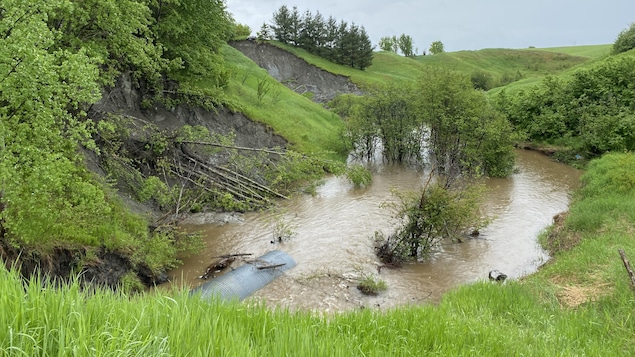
589,51
504,66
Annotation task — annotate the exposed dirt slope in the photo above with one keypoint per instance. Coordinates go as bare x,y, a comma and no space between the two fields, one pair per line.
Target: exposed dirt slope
124,99
295,72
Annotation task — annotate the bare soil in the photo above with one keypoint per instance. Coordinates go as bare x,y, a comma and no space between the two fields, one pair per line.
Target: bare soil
295,72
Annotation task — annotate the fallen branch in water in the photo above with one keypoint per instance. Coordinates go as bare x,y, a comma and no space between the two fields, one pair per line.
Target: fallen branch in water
233,255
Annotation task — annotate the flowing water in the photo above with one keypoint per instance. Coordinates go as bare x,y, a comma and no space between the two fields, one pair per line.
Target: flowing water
333,246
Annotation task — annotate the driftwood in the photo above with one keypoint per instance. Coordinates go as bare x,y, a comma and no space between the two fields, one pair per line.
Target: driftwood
281,153
195,170
272,266
217,267
629,270
233,255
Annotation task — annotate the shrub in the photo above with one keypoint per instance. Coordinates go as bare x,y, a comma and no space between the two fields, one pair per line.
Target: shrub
625,40
371,285
359,175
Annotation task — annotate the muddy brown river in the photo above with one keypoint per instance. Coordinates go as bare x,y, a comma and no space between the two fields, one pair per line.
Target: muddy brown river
333,247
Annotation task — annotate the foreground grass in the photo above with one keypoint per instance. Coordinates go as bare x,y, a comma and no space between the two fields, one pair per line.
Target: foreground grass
480,319
536,316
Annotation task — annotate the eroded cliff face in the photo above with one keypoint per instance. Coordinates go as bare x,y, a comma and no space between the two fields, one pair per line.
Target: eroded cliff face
295,72
125,100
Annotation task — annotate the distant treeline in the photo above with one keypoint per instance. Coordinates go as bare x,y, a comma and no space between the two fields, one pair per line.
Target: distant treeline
336,41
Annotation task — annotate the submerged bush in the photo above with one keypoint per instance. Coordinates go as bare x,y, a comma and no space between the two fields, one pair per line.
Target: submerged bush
371,285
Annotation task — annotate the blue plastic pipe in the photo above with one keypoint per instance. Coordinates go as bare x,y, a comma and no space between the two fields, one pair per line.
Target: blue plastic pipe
245,280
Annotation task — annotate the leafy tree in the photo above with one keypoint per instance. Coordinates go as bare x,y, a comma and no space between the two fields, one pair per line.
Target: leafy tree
46,194
241,32
395,44
406,45
468,137
436,47
115,31
438,211
193,32
387,115
385,44
590,111
625,40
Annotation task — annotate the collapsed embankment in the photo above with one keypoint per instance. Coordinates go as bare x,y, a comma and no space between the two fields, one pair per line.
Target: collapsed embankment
296,73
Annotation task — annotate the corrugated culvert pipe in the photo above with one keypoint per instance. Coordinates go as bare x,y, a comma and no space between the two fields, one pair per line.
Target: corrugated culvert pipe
245,280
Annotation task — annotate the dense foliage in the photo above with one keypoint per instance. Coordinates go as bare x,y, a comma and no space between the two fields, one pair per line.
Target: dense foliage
436,47
55,56
591,111
341,43
41,94
463,132
193,33
440,210
625,40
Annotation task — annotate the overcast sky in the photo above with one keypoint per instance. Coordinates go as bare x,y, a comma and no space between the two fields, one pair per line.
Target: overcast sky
464,24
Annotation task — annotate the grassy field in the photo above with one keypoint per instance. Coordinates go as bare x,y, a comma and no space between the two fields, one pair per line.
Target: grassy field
580,303
590,51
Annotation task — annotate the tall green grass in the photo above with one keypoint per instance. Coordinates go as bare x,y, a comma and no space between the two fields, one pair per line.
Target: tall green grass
480,319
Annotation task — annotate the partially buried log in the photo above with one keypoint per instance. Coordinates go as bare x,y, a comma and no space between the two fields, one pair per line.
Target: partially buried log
233,255
218,266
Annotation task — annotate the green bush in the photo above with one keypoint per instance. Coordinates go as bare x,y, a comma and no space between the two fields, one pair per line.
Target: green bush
371,285
625,40
359,175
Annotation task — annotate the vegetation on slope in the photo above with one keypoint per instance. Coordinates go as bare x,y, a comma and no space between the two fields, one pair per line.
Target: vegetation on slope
55,56
589,110
308,126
